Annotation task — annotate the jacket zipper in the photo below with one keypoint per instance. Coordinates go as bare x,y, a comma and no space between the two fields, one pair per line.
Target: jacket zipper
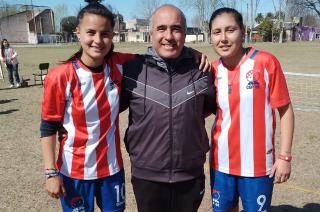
170,123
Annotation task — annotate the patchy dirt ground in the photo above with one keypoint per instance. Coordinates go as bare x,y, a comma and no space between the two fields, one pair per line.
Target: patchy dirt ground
21,172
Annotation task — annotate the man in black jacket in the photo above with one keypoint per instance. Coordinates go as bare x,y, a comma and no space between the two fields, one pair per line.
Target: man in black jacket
168,99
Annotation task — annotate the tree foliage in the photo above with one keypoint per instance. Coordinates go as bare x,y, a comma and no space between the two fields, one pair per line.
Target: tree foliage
69,24
266,27
259,18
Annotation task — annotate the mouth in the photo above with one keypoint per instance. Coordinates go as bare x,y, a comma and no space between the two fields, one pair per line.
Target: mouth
97,49
225,47
169,46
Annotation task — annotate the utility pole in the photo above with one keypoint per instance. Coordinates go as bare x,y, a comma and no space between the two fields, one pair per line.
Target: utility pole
252,21
280,24
246,36
34,20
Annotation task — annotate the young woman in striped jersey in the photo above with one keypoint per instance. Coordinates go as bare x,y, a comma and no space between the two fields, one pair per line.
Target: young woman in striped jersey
250,86
81,103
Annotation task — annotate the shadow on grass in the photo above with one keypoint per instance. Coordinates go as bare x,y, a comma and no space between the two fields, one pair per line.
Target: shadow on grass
33,85
4,101
8,111
310,207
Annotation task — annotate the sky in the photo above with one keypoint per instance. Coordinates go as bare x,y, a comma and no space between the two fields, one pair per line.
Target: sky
128,8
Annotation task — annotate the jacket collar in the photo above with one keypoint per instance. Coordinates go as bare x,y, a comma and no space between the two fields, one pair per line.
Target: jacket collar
153,58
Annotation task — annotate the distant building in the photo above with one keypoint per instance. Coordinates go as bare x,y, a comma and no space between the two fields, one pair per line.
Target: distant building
137,30
23,28
119,29
194,34
306,33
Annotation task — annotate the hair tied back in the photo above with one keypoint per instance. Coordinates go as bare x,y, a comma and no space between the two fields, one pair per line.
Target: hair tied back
92,1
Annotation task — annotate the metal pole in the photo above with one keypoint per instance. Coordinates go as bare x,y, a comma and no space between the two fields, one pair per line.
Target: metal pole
34,20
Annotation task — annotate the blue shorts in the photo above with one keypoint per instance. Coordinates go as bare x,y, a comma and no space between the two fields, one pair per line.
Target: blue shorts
108,191
255,192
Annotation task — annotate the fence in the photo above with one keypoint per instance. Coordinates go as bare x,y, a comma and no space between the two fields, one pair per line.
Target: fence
304,91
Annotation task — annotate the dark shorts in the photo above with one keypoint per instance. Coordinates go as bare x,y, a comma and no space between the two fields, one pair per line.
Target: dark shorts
168,197
108,191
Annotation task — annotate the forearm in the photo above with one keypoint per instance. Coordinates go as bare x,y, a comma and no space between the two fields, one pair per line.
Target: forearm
287,128
48,151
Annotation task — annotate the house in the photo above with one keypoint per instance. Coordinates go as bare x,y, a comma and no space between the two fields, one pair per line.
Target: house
119,29
194,34
29,26
306,33
137,30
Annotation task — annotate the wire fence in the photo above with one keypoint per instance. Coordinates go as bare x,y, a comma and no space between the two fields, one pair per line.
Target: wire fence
304,91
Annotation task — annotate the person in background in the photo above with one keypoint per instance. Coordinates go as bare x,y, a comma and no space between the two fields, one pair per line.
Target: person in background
10,61
168,99
250,86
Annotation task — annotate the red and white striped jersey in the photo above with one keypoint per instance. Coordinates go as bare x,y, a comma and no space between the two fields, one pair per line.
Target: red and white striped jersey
87,104
243,133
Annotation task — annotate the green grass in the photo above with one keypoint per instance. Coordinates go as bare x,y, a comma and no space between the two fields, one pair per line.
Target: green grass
294,56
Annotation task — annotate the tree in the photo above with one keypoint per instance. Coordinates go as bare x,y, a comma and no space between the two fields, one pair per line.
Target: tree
313,5
299,7
203,10
265,29
147,7
68,26
6,9
59,12
259,18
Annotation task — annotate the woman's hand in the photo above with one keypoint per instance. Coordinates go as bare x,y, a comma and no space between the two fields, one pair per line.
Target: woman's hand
55,188
281,171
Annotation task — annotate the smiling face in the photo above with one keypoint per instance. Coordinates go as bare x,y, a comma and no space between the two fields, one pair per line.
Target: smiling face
95,34
227,37
168,32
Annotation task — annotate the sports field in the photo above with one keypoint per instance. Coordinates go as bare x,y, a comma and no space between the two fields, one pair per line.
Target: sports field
21,170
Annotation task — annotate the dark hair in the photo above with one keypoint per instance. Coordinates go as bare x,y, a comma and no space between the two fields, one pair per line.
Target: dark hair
237,16
94,7
2,47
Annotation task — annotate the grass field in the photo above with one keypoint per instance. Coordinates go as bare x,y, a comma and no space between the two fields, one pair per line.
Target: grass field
21,172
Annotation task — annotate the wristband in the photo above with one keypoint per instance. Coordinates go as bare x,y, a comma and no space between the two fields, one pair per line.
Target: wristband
51,173
287,158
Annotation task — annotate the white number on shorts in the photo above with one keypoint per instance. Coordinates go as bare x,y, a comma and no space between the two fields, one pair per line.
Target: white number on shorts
261,200
120,192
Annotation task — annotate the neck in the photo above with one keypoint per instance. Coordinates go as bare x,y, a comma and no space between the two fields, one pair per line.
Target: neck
91,62
234,61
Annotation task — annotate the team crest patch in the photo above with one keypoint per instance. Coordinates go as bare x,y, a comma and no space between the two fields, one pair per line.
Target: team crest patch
253,79
215,197
77,204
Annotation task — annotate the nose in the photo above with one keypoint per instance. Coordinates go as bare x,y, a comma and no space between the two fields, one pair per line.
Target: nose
98,38
168,34
223,36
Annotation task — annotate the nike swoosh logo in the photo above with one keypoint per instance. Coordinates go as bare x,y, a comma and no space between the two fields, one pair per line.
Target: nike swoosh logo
201,192
190,92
